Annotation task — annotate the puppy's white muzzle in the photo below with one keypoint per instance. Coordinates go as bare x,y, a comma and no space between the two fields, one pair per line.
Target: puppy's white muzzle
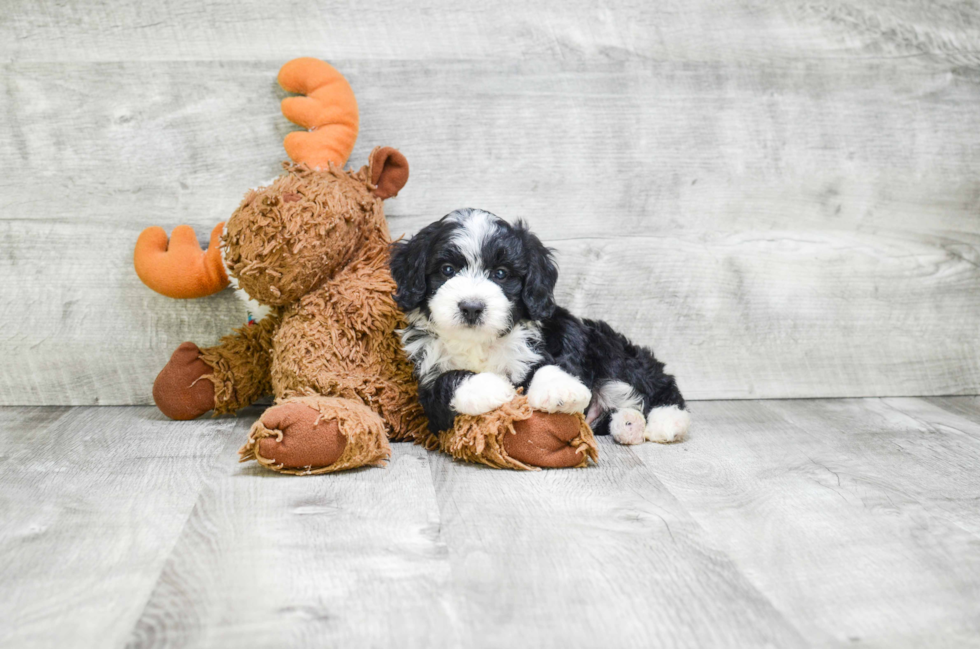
473,303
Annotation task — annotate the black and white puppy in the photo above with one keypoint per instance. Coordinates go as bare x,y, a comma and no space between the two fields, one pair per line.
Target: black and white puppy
478,295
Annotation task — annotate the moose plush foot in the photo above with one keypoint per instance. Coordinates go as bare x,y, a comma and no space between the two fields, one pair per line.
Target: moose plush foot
551,441
312,434
516,437
181,390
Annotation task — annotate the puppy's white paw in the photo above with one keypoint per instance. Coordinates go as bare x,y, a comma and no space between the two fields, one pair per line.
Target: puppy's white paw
481,393
554,390
627,425
667,424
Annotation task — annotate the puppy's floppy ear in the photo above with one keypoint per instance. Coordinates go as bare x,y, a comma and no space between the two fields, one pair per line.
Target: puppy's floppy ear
542,275
409,261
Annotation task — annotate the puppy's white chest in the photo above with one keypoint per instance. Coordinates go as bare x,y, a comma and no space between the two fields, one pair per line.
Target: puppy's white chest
512,355
471,356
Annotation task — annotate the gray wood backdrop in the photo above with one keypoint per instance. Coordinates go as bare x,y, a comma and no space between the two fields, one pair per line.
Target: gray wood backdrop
781,197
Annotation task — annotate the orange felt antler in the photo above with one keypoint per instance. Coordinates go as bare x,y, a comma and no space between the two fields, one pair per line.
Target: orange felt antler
328,111
180,269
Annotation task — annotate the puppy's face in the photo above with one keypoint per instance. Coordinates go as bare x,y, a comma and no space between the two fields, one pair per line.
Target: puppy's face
472,274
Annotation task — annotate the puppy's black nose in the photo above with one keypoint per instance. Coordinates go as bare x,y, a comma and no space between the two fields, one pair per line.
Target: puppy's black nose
472,311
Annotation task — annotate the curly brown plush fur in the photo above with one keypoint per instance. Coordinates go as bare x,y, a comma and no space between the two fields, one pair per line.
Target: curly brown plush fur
315,245
516,437
241,366
349,420
312,246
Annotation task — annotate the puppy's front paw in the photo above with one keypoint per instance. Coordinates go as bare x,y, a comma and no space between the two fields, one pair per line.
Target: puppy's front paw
481,393
554,390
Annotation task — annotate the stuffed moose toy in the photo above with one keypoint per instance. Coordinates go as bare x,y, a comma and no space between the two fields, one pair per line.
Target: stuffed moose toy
309,254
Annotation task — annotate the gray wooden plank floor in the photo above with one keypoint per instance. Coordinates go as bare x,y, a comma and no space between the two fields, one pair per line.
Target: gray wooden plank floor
779,523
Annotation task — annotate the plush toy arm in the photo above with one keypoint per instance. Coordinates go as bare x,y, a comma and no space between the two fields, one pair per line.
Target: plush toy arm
514,436
241,365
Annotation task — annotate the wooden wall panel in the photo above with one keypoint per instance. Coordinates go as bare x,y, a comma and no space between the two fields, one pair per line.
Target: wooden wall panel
783,199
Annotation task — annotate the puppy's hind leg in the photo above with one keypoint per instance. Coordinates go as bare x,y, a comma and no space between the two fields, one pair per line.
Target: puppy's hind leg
627,426
666,424
624,406
668,420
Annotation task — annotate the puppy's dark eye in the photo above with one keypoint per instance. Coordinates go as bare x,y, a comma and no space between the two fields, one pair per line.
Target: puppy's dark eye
448,270
500,273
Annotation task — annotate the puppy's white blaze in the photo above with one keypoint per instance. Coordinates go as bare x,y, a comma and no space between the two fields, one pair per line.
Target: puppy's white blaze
667,424
511,355
554,390
448,319
481,393
477,227
627,426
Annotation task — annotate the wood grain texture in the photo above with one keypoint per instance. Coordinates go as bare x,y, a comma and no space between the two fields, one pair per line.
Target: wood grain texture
440,29
963,406
790,523
92,501
857,518
272,560
604,556
781,199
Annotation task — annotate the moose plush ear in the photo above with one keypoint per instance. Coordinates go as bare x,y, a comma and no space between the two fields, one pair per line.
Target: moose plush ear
389,171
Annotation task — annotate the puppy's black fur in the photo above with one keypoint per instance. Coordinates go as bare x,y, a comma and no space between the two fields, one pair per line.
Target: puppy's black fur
435,398
589,350
594,352
531,279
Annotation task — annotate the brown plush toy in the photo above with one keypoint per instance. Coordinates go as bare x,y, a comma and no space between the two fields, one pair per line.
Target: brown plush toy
309,254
